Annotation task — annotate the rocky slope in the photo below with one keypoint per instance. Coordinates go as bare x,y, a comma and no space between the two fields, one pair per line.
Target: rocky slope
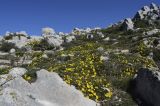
103,64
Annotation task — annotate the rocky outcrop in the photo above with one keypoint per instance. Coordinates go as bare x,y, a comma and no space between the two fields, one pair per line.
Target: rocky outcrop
152,12
20,39
48,90
51,37
128,24
145,87
69,38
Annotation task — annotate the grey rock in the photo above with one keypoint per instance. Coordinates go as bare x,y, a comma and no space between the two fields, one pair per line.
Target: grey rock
107,39
70,38
128,24
145,9
100,49
90,36
148,13
20,39
12,51
154,6
51,37
45,56
17,72
48,90
145,87
151,32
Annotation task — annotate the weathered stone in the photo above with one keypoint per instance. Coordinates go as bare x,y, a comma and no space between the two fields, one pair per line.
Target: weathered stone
51,37
48,90
128,24
20,39
145,87
69,38
17,72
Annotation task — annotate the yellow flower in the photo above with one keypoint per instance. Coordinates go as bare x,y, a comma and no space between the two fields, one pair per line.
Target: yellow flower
109,94
28,78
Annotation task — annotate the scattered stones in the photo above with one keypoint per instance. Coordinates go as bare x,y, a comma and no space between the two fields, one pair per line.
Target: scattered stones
151,32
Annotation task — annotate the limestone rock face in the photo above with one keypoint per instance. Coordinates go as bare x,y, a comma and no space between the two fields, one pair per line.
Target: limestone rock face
148,12
128,24
51,37
145,87
48,90
20,39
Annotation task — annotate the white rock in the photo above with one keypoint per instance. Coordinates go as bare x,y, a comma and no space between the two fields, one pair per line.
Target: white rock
12,51
48,90
48,32
17,72
107,39
125,51
104,58
44,56
70,38
128,24
90,36
100,49
154,31
51,37
154,6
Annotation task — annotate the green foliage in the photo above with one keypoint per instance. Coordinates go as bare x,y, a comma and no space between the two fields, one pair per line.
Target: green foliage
83,70
141,24
30,76
40,45
113,30
6,46
4,71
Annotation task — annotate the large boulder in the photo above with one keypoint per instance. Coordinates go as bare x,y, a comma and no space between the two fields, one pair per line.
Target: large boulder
48,90
51,37
145,87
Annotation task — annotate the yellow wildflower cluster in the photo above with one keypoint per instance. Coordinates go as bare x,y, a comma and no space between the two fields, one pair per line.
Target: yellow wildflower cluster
128,65
36,59
83,71
142,49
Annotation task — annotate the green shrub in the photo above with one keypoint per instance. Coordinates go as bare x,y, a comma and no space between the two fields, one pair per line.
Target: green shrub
40,45
6,46
141,24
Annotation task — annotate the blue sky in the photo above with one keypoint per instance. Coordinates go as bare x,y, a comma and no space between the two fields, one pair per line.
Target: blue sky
64,15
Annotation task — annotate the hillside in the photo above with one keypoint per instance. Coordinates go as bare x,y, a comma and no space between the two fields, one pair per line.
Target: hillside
102,66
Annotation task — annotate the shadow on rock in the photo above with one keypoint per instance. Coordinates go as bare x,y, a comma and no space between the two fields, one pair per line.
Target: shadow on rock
145,88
